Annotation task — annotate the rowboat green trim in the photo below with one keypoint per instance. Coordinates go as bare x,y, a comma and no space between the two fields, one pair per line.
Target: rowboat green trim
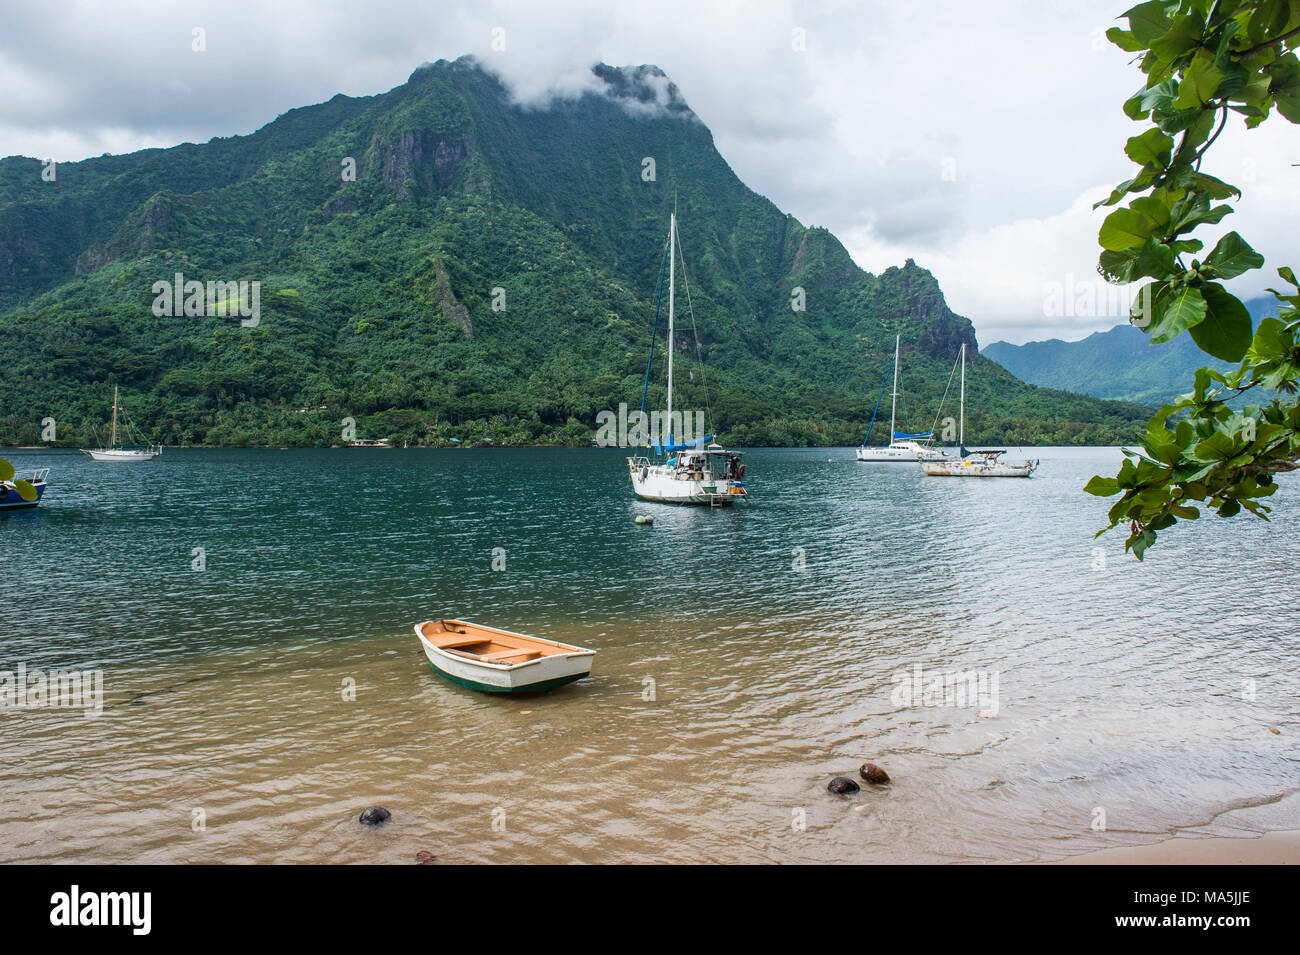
530,688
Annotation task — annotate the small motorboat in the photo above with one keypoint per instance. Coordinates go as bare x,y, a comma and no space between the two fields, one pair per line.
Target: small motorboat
23,489
499,661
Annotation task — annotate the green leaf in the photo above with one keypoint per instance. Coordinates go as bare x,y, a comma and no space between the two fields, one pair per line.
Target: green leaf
1148,22
1157,97
1130,227
1196,212
1217,447
6,470
1102,487
1271,342
1140,542
1232,256
1124,229
1153,259
1284,84
1200,80
1124,40
1214,188
1152,148
25,490
1175,310
1118,193
1225,332
1183,36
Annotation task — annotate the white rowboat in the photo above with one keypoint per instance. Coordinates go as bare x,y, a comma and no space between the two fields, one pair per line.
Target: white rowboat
499,661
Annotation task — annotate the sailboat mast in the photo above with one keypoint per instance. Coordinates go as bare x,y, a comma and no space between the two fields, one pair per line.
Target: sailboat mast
961,428
113,441
672,274
893,408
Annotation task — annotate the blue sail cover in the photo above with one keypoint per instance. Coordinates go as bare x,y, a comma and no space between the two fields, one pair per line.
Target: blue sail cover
899,436
669,447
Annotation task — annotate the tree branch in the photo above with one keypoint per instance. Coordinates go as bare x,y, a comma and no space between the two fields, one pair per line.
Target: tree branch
1242,54
1223,121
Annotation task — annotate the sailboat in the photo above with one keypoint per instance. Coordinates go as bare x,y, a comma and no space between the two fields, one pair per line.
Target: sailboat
693,472
902,447
115,452
982,463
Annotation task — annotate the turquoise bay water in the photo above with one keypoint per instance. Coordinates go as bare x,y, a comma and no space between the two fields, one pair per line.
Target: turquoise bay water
745,655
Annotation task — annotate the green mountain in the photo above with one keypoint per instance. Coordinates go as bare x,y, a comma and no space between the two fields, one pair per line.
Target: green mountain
1118,363
489,274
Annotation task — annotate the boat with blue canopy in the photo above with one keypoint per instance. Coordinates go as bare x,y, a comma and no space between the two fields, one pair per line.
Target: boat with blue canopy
902,448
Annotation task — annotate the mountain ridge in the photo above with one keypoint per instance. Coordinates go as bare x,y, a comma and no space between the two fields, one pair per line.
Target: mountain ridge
462,199
1118,363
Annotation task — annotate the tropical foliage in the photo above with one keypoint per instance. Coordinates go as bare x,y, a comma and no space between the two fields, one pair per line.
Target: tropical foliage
1204,62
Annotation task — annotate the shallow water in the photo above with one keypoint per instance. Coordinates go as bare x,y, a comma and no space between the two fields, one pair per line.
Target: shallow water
745,656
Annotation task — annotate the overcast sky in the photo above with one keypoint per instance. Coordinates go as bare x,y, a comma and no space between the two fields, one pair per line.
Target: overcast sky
970,137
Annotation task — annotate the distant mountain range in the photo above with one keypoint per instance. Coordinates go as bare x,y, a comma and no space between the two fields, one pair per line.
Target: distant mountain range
1120,363
438,264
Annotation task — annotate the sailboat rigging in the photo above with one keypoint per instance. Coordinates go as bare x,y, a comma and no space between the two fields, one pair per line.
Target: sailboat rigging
980,463
901,447
691,472
117,453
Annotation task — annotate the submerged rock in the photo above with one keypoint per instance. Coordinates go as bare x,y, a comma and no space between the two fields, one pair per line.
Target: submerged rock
842,785
424,857
374,816
873,774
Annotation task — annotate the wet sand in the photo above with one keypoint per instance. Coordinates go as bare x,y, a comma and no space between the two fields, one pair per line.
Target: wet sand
1271,848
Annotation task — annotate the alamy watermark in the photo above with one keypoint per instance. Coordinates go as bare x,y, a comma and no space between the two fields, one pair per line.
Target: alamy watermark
1093,298
956,688
220,299
637,429
37,689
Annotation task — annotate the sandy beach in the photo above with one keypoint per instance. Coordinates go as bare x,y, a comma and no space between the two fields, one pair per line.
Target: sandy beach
1271,848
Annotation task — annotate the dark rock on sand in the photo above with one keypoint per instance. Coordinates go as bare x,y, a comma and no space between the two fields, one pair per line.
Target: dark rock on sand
424,857
374,816
841,785
873,774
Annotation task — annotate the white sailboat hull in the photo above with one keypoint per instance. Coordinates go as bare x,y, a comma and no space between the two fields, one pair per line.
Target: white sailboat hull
902,453
977,469
122,456
670,486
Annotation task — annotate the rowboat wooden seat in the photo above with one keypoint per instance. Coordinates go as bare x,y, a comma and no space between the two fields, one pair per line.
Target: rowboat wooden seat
511,652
